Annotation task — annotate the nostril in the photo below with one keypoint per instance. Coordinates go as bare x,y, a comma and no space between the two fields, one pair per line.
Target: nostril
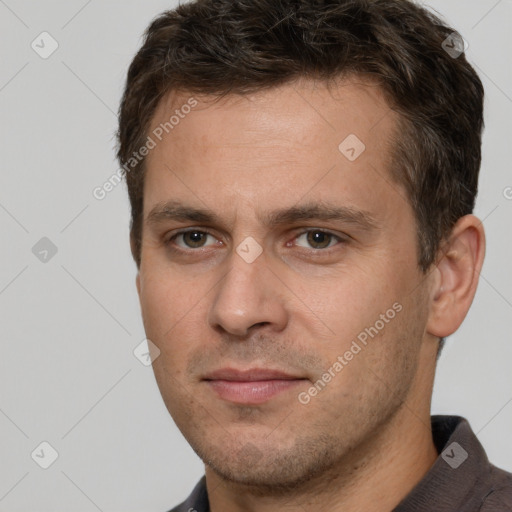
259,324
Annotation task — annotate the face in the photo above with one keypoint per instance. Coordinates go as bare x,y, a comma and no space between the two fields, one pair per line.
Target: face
279,277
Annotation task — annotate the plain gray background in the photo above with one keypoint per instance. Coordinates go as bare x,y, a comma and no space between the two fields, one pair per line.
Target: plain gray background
70,323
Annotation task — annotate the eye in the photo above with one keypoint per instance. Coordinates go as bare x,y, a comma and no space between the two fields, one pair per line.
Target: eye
191,239
318,239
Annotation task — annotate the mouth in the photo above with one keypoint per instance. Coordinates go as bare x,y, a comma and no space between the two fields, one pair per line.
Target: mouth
251,387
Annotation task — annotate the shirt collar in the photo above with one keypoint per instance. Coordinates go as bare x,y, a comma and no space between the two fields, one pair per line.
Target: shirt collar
453,477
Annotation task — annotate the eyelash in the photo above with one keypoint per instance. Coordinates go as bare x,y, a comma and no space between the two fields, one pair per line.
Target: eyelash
169,240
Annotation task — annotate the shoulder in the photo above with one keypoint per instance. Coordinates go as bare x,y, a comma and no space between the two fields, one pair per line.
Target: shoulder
499,495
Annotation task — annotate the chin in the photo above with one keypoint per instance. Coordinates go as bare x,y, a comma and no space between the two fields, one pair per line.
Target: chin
267,469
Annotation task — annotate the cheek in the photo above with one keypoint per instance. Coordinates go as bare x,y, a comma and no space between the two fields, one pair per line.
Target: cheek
164,313
376,358
157,308
351,300
371,317
161,310
174,316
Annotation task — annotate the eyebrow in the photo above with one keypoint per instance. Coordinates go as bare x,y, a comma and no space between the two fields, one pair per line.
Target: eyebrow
176,211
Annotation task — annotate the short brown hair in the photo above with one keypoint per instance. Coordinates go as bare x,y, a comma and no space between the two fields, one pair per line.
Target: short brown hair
222,47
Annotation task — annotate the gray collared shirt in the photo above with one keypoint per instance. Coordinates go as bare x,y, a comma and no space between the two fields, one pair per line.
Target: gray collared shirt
461,479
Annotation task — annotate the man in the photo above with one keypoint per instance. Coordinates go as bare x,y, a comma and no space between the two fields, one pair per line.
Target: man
302,176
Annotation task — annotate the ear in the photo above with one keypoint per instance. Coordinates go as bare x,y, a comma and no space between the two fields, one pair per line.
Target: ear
456,276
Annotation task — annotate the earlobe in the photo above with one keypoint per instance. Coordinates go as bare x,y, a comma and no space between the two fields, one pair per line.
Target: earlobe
456,276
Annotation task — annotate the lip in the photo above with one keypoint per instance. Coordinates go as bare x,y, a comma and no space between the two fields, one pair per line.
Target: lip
252,386
249,375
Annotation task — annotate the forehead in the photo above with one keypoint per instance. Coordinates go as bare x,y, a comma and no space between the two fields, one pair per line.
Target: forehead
286,142
310,106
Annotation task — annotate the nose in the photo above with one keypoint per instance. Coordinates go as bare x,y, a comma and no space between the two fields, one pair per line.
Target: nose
247,297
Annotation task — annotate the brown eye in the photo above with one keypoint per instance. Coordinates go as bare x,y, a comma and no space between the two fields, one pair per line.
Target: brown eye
318,239
194,239
191,239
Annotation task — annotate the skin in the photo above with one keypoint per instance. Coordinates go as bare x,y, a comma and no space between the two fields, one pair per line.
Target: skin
364,440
